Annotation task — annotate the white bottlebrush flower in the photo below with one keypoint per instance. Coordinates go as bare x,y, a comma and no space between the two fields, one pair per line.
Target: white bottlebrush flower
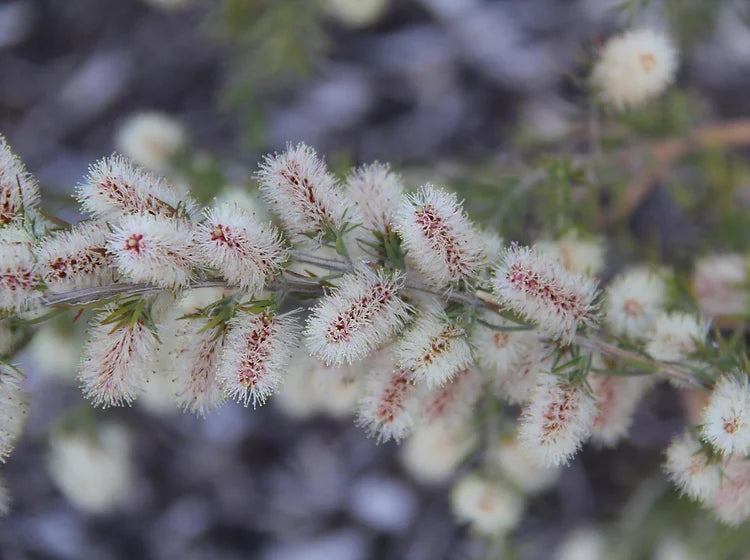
434,349
691,469
158,396
154,249
633,302
388,406
376,191
355,13
75,259
519,468
516,382
55,352
94,472
298,396
359,316
193,355
151,139
257,353
487,505
675,336
13,409
246,252
557,420
115,187
541,290
19,276
617,398
635,67
726,419
731,502
299,189
338,389
582,256
115,361
438,236
721,285
434,451
453,402
19,191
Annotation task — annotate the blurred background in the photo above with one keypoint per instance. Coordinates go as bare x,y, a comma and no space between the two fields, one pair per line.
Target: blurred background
449,91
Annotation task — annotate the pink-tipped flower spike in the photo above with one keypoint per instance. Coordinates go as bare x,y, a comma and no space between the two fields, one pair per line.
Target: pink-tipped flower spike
75,259
298,187
731,502
542,291
361,315
389,404
115,361
195,349
617,398
257,353
19,277
154,249
441,241
516,383
557,420
19,191
115,187
13,409
376,190
726,419
633,302
244,251
496,350
434,349
691,469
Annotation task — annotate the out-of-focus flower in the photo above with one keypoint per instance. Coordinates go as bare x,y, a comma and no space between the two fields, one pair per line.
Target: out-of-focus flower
154,249
434,349
440,240
516,383
246,252
355,13
168,4
557,420
452,403
361,314
721,285
376,190
541,290
633,302
5,499
726,419
13,409
731,502
114,187
490,507
19,191
95,473
432,452
75,259
150,138
675,336
583,544
55,353
691,469
582,256
519,468
635,67
257,353
617,398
